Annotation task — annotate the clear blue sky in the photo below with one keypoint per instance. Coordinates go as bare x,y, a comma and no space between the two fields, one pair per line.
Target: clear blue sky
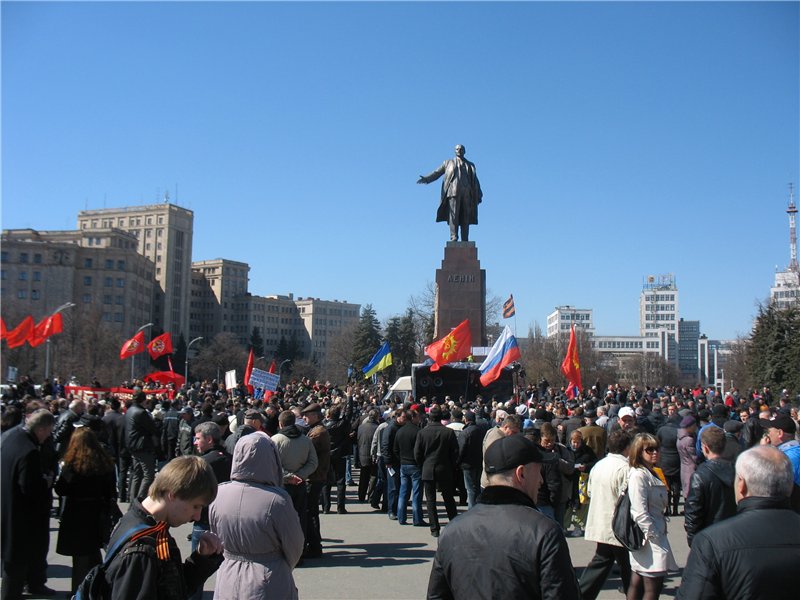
612,141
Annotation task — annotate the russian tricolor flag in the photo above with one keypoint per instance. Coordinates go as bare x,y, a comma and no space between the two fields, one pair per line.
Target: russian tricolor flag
504,352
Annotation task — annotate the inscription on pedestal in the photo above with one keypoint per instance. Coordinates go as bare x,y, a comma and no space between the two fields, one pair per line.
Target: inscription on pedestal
461,292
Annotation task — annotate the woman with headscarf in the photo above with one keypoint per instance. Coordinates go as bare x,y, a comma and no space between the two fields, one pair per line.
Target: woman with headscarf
255,518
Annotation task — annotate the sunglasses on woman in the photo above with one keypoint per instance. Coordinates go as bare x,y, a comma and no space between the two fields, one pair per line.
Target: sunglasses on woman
651,449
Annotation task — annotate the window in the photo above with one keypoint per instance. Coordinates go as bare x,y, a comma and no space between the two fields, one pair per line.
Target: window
87,280
37,275
23,276
87,298
22,294
37,259
109,263
106,298
108,281
120,299
87,262
118,317
23,257
120,282
107,316
3,274
120,265
35,295
4,256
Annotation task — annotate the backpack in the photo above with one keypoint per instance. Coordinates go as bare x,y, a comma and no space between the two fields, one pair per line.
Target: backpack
625,529
94,586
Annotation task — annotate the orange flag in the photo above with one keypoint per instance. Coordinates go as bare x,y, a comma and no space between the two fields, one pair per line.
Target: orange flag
21,333
45,328
571,367
132,346
456,345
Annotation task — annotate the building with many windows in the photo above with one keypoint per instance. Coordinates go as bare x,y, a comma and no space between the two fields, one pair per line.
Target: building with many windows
561,319
786,291
164,235
98,270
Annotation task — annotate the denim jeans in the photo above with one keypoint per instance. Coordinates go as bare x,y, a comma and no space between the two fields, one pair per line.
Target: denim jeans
410,477
472,481
198,529
392,490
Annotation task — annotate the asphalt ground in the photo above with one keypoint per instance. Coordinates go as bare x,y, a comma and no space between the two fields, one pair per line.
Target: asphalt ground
367,556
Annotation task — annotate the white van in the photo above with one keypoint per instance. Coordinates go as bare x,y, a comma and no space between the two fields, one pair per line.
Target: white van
400,390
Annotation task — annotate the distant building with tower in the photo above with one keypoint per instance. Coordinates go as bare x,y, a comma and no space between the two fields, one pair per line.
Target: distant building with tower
786,290
560,321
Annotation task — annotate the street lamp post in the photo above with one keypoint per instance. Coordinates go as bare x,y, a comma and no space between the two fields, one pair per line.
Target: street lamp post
47,342
280,369
133,357
186,365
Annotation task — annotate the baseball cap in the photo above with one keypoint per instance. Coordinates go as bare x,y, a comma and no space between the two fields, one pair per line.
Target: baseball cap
783,423
511,451
688,421
626,411
733,426
253,414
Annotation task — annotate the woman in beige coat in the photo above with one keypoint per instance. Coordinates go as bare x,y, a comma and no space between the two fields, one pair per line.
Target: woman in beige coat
256,521
648,495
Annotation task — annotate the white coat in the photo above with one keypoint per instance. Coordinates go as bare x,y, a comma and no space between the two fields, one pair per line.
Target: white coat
648,496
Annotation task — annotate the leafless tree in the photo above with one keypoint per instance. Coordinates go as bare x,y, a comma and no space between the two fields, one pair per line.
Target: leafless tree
221,354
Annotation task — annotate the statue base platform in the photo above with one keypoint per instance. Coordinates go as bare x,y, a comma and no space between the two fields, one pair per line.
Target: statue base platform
461,292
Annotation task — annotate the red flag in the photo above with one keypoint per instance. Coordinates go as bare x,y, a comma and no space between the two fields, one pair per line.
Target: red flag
160,346
248,370
132,346
454,346
571,367
45,328
3,329
268,393
21,334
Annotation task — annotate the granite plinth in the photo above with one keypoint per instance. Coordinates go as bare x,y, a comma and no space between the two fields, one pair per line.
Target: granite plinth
461,292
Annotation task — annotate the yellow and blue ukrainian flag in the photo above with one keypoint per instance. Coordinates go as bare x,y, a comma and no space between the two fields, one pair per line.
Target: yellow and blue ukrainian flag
381,360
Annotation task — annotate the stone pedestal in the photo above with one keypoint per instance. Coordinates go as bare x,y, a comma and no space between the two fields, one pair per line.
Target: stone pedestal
461,292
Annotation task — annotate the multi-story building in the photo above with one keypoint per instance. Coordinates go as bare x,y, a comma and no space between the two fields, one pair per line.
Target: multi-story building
164,235
712,358
561,319
658,313
221,302
688,357
786,291
97,270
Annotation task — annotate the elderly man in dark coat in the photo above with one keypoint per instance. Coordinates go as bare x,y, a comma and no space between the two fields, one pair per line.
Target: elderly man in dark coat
461,194
25,498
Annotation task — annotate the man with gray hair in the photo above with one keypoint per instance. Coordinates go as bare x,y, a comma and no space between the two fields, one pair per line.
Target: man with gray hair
752,555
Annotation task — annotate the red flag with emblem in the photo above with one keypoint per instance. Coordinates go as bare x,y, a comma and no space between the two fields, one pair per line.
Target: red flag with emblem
160,346
456,345
268,393
571,367
21,333
132,346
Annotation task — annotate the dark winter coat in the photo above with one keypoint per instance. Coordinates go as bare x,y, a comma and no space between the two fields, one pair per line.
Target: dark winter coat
86,499
404,443
115,423
668,458
751,556
387,444
710,496
366,431
436,450
502,548
220,462
140,429
470,452
62,432
322,445
24,495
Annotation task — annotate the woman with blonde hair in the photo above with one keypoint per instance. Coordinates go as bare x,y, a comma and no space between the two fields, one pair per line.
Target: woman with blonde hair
87,483
649,501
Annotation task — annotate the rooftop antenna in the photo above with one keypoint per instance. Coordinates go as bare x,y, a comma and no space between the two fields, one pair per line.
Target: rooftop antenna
792,212
166,197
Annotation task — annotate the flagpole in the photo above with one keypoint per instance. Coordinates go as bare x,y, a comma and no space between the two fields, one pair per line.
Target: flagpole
47,341
133,356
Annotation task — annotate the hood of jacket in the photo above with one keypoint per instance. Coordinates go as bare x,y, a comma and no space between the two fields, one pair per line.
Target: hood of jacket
722,470
256,460
292,431
682,433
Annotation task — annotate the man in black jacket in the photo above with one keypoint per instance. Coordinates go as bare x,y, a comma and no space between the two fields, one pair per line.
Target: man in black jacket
141,432
338,426
410,472
26,504
522,553
436,449
391,461
710,496
470,457
754,554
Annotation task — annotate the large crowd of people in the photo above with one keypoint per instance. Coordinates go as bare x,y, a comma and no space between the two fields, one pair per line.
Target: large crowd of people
253,475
